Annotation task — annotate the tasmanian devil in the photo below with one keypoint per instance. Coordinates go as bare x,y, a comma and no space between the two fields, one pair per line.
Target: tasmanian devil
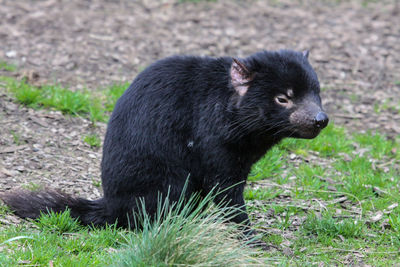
196,120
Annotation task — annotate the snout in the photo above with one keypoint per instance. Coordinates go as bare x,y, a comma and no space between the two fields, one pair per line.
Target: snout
308,121
321,120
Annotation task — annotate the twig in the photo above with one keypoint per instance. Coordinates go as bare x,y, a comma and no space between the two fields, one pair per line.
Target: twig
352,251
320,191
319,202
347,116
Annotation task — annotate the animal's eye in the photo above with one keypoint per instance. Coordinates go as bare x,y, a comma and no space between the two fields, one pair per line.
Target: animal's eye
282,100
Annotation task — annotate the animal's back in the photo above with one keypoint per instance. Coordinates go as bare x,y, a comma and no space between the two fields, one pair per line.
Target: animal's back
156,121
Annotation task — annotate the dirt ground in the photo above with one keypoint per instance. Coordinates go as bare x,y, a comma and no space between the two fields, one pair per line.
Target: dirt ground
354,47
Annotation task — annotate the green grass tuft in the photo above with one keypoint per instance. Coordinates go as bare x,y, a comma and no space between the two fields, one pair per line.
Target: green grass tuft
57,222
327,226
31,186
192,233
17,138
113,93
53,96
78,103
92,140
7,66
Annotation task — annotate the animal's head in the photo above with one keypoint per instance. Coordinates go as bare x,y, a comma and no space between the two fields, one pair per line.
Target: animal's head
278,93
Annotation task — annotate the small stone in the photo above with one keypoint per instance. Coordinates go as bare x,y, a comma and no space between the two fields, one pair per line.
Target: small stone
20,168
11,54
36,147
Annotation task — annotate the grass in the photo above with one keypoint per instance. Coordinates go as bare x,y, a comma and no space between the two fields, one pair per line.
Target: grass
31,186
197,235
7,66
78,103
54,242
326,226
17,138
112,94
331,200
57,223
361,168
183,233
93,140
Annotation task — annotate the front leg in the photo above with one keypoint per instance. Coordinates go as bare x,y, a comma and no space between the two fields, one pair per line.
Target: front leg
232,196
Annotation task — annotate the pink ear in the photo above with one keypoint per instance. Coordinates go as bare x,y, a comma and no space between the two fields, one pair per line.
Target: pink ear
240,77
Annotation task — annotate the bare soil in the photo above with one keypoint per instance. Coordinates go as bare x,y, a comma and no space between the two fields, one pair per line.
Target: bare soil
354,47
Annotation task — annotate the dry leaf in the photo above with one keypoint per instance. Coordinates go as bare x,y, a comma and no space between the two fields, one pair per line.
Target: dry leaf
12,149
377,217
393,206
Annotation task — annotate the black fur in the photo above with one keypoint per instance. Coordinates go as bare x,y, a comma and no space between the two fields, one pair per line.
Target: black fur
204,119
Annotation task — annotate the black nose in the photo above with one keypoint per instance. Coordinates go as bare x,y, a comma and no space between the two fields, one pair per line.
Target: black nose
321,120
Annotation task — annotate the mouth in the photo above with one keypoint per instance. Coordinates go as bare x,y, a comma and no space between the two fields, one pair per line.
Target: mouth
304,133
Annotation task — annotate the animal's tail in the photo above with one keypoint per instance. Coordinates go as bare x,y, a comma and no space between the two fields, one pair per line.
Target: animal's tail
27,204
